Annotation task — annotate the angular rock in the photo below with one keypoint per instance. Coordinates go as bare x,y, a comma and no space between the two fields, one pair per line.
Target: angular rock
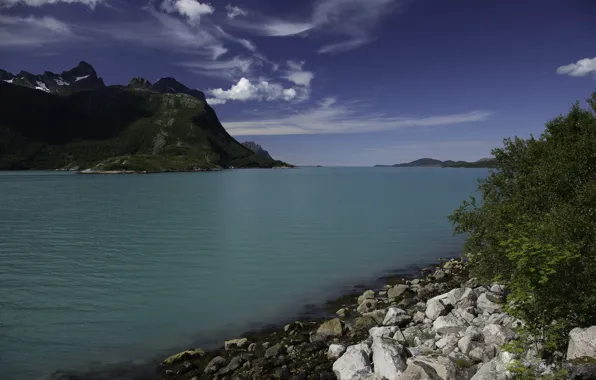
377,315
483,352
498,289
582,342
396,317
235,343
419,317
232,366
364,323
389,358
439,275
383,331
335,351
184,355
275,350
442,366
397,291
489,303
447,343
367,306
449,324
435,308
497,334
215,364
369,294
333,327
493,370
354,364
419,371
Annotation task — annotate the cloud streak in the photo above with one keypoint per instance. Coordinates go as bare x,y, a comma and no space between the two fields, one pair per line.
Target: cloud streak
26,32
329,117
38,3
581,68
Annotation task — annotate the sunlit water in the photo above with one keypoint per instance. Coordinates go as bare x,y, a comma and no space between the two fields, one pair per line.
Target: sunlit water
110,268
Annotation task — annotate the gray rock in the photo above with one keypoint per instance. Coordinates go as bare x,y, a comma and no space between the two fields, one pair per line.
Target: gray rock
215,364
367,306
234,364
397,291
497,334
235,343
377,315
582,371
483,352
383,331
389,358
364,323
493,370
369,294
354,364
498,289
582,342
335,351
489,303
419,371
252,347
275,350
447,343
442,366
396,317
435,308
342,312
419,317
333,327
439,275
449,324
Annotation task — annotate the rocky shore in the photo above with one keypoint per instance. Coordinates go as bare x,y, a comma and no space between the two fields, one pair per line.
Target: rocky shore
443,325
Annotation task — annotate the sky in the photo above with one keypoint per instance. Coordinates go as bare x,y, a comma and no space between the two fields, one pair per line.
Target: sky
333,82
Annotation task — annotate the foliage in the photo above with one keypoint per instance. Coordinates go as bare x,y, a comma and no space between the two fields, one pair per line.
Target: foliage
535,229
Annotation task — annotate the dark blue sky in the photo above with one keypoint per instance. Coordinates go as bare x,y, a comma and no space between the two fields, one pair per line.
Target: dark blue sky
333,82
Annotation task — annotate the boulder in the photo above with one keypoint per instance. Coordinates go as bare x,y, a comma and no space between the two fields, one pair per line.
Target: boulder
396,317
435,308
462,297
493,370
342,312
397,291
367,306
582,342
335,351
364,323
389,358
275,350
377,315
215,364
498,289
369,294
419,371
497,334
235,343
439,275
489,303
383,331
447,343
443,367
333,327
483,352
232,366
449,324
184,355
354,364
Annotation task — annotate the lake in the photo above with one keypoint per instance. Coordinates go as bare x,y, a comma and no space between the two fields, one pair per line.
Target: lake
97,269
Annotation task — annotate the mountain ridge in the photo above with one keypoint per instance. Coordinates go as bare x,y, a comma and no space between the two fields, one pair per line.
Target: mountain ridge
434,163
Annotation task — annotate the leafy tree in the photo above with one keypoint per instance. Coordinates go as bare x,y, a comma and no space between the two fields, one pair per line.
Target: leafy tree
535,229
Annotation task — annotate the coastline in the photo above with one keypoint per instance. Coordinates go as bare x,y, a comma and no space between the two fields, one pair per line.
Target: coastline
311,313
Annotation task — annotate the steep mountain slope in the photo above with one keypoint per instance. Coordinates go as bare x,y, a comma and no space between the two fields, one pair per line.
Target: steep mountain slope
256,148
116,128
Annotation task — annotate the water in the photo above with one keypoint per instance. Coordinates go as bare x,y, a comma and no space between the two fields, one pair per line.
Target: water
113,268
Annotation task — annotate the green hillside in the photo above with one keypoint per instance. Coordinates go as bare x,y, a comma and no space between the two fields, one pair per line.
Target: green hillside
432,163
115,128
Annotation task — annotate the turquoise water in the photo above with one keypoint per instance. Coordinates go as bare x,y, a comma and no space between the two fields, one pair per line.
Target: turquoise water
111,268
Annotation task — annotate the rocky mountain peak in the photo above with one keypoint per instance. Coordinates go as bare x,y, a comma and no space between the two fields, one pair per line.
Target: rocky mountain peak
169,85
140,83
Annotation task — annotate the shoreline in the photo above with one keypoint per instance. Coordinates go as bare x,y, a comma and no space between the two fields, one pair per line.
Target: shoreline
311,313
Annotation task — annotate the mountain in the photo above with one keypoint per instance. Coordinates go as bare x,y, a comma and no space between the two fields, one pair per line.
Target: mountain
81,78
430,162
140,127
256,148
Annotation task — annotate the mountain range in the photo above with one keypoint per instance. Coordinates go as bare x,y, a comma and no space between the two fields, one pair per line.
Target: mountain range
433,163
72,120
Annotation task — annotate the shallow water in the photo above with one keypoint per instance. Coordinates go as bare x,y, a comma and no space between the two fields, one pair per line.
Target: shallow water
109,268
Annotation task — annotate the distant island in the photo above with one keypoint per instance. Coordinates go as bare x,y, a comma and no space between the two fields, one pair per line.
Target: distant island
73,121
432,163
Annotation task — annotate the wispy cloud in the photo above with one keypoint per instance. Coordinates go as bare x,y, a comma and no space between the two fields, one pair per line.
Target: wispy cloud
331,117
581,68
234,11
23,32
350,22
225,69
38,3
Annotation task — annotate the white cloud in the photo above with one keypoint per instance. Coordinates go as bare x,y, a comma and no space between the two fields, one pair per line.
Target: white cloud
278,28
191,9
330,117
581,68
234,11
39,3
242,41
226,69
32,31
297,75
245,90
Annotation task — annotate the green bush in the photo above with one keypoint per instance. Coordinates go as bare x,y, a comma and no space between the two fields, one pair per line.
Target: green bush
535,229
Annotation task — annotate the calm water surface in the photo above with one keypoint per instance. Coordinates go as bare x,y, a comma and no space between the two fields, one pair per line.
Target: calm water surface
111,268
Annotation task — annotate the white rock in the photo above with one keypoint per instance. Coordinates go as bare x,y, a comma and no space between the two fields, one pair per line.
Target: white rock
483,352
392,314
354,364
389,358
443,367
582,342
367,306
418,372
488,303
377,315
335,351
449,340
382,331
498,289
435,308
397,291
493,370
238,343
449,324
497,334
367,295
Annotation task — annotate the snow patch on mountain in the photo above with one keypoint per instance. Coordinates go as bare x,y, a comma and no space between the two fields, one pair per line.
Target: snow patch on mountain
9,81
81,78
61,82
42,87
